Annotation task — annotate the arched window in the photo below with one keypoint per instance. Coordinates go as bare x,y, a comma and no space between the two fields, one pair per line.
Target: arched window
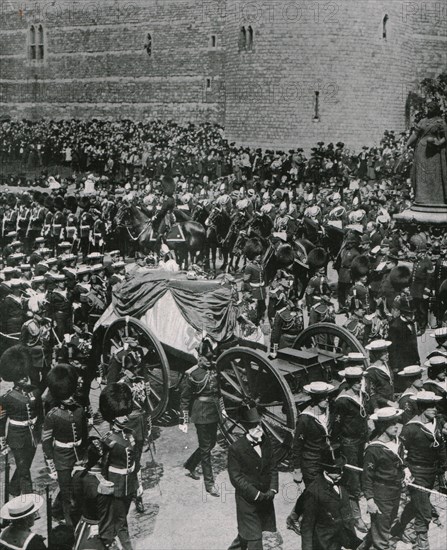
148,45
242,39
384,23
250,39
32,43
40,43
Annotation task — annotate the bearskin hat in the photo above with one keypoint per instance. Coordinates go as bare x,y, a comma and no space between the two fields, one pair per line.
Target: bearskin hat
25,199
400,277
49,203
59,203
62,381
115,400
71,203
317,258
37,197
84,202
11,200
15,363
168,185
285,255
359,267
253,248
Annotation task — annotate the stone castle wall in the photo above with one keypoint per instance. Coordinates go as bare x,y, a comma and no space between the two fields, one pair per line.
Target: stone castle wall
95,64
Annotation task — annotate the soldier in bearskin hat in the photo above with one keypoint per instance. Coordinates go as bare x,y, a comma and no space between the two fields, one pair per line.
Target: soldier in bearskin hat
394,284
287,324
86,221
48,221
64,432
167,207
253,280
21,417
118,465
318,285
359,277
60,306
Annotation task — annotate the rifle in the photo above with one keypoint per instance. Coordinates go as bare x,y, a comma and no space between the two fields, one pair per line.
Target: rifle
49,520
6,478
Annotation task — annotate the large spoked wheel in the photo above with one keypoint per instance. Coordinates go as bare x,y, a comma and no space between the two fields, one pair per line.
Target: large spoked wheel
331,342
247,377
153,358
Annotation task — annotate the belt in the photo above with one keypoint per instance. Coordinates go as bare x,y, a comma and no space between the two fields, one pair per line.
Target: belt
122,471
85,227
29,422
206,399
68,445
256,285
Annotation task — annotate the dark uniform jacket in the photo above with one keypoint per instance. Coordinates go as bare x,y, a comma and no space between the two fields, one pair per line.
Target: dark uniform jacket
253,280
382,465
327,520
311,440
65,435
119,465
14,313
426,451
408,405
14,537
250,474
287,324
380,385
421,277
21,417
201,396
346,257
350,416
438,388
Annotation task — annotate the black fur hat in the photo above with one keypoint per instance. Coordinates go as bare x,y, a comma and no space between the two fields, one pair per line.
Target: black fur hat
253,248
285,255
359,267
71,203
62,381
59,203
115,400
49,203
15,364
400,277
317,258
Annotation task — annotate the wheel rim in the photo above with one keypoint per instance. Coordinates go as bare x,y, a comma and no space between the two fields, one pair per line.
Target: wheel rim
247,378
154,359
331,341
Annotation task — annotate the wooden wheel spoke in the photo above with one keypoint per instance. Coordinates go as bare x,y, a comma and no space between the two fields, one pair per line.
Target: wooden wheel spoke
231,397
155,393
274,417
274,432
232,383
151,406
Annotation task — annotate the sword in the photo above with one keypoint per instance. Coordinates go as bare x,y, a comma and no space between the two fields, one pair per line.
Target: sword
49,520
6,478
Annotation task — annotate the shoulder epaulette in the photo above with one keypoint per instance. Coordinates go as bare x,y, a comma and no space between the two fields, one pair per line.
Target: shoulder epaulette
108,440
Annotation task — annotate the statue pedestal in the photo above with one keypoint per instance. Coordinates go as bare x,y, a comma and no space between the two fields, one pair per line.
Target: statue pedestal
434,215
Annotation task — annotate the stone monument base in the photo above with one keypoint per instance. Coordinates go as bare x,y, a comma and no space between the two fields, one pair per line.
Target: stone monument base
434,215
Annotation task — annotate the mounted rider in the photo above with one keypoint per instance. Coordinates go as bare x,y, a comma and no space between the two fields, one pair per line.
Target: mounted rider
166,212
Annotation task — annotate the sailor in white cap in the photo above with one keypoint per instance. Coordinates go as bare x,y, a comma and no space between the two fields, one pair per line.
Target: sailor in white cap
436,382
311,441
21,512
383,473
379,376
412,375
426,457
350,431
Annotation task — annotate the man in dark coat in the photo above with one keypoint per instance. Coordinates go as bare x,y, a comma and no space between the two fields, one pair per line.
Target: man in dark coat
327,521
403,351
253,473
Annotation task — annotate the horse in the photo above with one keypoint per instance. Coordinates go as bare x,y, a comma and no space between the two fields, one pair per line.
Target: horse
185,237
217,226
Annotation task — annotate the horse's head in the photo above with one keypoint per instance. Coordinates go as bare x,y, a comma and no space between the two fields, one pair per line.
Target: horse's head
123,214
213,217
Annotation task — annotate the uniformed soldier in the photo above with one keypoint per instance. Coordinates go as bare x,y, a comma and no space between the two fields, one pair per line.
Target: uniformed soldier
59,307
343,265
383,476
287,324
253,280
436,381
420,288
118,466
311,443
20,513
201,396
318,285
355,323
426,457
14,309
284,226
380,379
322,311
414,384
359,278
21,417
85,226
64,432
350,433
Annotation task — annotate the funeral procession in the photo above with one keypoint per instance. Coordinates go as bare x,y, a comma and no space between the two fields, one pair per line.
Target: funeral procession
223,314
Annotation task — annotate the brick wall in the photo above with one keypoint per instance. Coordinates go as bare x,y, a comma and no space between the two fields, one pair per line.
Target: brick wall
96,65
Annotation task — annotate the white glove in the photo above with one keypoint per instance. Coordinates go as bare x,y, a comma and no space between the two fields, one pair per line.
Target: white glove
51,469
372,507
408,477
94,531
183,428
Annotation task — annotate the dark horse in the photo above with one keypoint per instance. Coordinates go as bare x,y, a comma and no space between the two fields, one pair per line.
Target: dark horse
138,224
217,226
